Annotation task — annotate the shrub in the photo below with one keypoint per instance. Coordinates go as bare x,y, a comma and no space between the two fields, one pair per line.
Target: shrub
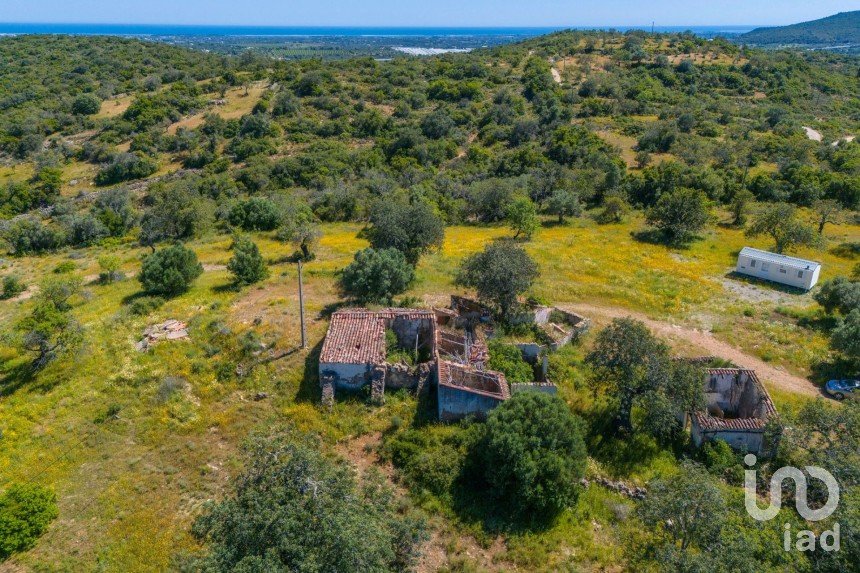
86,105
125,167
145,305
256,214
533,455
84,230
615,209
12,287
170,271
65,267
28,235
377,275
110,268
26,510
113,209
508,359
246,264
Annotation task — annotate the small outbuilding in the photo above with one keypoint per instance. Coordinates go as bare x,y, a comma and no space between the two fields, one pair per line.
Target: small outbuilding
738,410
791,271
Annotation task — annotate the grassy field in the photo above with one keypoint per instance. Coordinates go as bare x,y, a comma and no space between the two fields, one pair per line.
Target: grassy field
129,485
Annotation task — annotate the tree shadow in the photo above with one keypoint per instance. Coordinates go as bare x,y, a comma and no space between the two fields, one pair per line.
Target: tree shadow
658,237
849,250
16,376
472,504
226,288
553,223
835,369
331,308
823,323
309,387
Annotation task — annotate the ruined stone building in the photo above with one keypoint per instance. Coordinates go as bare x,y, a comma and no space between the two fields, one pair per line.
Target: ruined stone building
737,412
354,355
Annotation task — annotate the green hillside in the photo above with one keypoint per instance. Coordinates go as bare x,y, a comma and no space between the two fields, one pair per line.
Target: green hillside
142,184
842,28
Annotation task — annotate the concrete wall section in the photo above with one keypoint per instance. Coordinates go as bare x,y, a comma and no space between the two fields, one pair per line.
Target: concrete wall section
348,377
458,403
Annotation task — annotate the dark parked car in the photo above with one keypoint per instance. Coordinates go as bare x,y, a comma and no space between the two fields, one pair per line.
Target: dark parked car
840,389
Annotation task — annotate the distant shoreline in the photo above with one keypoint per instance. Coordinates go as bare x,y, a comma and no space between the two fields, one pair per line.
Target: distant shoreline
332,31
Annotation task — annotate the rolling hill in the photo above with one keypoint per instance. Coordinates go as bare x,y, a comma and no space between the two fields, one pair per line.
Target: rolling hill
840,29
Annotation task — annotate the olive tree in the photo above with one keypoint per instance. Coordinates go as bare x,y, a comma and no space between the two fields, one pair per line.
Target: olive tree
780,222
413,229
635,369
533,455
679,214
499,274
293,508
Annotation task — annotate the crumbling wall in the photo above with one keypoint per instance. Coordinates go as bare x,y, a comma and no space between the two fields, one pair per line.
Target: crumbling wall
411,332
749,400
751,441
458,403
347,377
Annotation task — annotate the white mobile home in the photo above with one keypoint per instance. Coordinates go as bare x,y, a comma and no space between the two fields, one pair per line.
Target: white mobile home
791,271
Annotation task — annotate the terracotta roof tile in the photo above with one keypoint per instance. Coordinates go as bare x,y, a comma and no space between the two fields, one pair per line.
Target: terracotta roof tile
708,422
357,335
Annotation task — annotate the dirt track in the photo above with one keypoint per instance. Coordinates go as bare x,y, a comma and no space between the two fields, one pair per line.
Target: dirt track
777,377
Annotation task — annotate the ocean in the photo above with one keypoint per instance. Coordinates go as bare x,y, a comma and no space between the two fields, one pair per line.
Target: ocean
329,31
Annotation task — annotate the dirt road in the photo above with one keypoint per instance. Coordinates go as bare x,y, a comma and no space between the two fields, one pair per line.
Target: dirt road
778,377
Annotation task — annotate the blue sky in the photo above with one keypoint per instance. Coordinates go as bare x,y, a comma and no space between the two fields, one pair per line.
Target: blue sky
424,12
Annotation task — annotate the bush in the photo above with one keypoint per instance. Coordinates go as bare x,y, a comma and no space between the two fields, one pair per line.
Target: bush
377,275
65,267
256,214
125,167
508,359
170,271
26,510
86,105
84,230
145,305
247,265
12,287
110,269
28,236
533,455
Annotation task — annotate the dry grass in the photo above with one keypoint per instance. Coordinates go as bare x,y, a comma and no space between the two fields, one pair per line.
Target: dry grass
114,107
129,488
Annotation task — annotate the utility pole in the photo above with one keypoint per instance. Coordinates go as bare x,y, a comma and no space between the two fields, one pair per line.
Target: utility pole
302,307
